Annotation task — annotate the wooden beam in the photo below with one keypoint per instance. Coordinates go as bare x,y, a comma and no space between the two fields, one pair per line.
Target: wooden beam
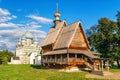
50,58
78,47
75,57
67,57
108,65
61,57
55,58
99,65
46,59
82,57
94,65
102,65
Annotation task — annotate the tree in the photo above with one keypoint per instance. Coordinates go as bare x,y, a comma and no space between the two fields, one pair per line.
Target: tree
5,56
117,44
104,39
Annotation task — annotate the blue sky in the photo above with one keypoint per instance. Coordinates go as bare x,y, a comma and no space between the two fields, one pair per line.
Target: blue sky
37,15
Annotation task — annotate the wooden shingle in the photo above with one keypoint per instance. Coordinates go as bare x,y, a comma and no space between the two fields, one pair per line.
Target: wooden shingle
53,34
66,36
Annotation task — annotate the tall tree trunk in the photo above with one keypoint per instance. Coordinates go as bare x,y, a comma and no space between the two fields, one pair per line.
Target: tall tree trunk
118,63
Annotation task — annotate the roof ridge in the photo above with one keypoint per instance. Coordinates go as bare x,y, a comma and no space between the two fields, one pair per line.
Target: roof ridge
74,22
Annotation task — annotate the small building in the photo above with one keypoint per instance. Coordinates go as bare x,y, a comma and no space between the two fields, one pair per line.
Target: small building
28,51
15,60
66,46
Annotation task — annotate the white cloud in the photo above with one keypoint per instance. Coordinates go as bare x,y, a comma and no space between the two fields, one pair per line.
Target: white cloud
11,37
14,33
13,16
33,25
40,19
39,33
3,46
11,32
4,12
4,18
5,15
9,25
0,36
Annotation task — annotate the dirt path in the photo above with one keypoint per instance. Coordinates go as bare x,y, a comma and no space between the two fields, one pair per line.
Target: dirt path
115,76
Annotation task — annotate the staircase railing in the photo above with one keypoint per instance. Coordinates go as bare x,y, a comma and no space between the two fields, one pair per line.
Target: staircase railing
88,65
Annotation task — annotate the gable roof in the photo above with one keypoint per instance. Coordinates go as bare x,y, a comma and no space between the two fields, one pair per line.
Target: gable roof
63,35
85,36
53,34
67,34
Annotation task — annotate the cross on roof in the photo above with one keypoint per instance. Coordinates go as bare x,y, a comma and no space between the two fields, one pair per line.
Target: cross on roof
57,7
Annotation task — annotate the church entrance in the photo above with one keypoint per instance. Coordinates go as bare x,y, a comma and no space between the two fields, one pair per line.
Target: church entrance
33,61
32,58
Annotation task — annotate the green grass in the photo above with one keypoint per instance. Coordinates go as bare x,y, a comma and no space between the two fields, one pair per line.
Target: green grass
114,70
28,72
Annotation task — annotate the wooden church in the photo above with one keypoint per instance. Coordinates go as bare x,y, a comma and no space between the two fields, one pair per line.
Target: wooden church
66,46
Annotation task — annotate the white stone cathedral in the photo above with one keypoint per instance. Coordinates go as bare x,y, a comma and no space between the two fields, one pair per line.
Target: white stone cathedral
27,51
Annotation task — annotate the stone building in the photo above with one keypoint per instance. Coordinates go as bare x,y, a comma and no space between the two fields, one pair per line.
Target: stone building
27,51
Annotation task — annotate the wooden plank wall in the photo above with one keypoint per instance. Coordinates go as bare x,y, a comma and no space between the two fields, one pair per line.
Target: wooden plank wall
78,41
47,48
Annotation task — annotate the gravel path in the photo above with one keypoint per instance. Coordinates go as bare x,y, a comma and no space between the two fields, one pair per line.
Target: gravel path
115,76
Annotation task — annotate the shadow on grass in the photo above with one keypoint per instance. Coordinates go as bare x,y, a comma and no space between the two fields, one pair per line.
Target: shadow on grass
36,66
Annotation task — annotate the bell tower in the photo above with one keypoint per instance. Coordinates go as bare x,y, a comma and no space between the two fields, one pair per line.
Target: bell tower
57,16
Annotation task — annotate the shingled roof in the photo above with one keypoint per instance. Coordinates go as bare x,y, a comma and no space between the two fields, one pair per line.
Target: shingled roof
53,34
65,51
62,35
66,36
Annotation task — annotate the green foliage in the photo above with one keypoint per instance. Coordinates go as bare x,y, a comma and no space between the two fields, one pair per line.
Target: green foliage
5,56
105,38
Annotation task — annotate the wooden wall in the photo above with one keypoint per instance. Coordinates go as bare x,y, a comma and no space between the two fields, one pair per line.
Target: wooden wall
47,48
78,41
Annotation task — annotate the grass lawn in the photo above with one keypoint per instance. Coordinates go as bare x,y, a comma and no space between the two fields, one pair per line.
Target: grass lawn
28,72
114,70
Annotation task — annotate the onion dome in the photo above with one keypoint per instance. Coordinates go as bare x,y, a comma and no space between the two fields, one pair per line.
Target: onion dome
57,17
23,38
28,35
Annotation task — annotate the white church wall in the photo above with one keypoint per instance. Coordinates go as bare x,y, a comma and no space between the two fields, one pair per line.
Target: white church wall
27,49
19,52
32,57
13,61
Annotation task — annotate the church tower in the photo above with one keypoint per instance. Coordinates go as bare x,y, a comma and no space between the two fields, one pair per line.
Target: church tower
57,17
